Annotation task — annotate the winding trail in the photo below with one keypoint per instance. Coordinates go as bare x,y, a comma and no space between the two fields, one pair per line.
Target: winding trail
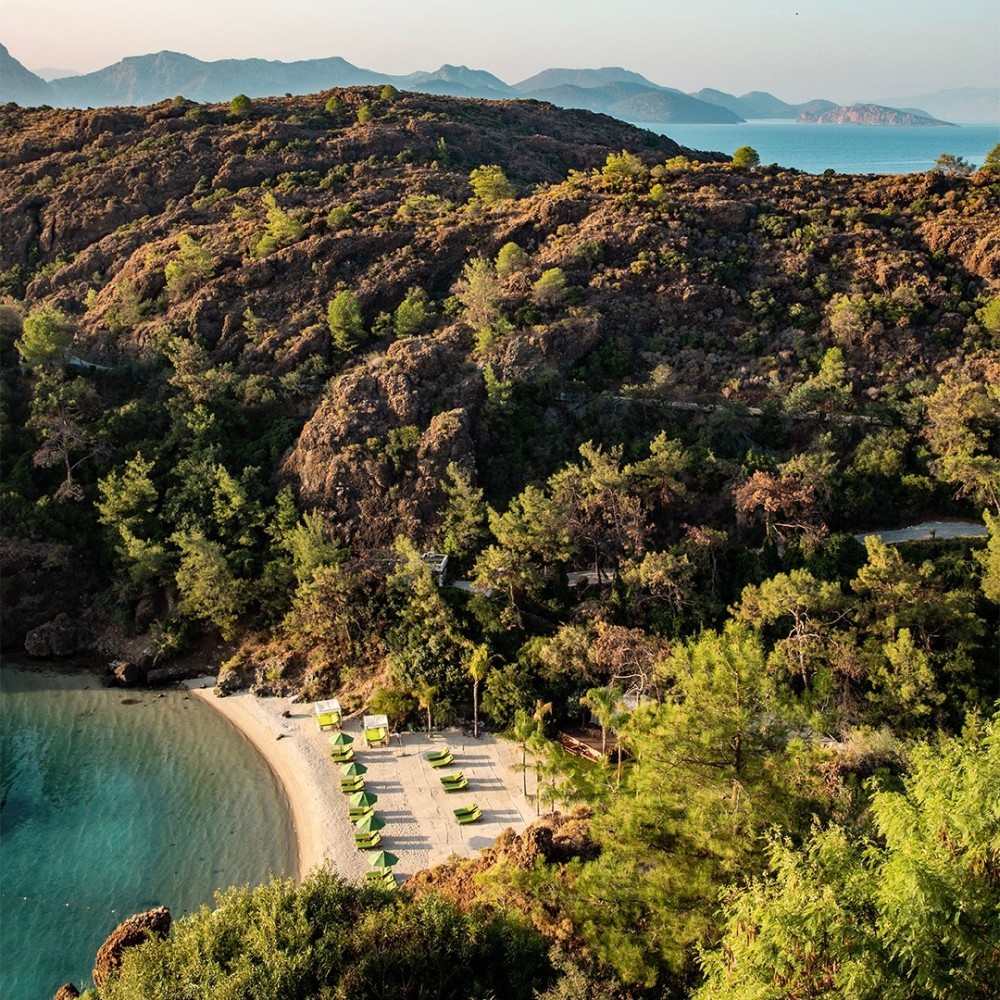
928,531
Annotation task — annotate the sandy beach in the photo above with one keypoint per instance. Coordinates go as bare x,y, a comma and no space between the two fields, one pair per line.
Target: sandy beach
420,822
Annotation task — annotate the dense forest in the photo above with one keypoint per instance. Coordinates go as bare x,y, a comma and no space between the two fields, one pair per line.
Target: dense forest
258,359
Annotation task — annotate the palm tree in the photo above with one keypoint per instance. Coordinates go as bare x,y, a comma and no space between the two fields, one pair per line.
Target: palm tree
602,702
523,731
542,709
478,666
426,693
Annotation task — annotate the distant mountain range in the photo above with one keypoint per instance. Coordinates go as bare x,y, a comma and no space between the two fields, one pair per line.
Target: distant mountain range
141,80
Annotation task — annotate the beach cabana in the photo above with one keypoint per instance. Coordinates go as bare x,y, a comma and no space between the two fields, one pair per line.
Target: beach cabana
377,730
327,714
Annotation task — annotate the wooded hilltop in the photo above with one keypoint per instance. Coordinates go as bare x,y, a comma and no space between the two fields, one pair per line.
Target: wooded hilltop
259,358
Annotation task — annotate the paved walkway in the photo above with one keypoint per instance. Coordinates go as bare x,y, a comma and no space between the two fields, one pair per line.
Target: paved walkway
420,823
928,531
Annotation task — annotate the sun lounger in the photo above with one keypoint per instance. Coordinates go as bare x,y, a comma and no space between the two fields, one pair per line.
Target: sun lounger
455,776
359,812
437,754
468,814
366,841
443,761
344,756
351,785
456,786
382,877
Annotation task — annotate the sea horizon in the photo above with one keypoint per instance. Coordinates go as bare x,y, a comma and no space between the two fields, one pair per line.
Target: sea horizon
846,149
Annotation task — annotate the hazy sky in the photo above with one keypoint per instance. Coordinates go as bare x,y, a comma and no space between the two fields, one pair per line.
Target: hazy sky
844,50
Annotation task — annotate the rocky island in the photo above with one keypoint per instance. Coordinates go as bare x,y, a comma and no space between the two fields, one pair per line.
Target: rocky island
870,114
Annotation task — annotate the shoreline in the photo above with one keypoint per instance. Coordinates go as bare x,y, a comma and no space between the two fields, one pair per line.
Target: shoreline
420,826
302,772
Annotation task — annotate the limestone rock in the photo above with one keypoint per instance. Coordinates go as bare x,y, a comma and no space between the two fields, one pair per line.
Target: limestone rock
125,673
128,934
58,637
66,992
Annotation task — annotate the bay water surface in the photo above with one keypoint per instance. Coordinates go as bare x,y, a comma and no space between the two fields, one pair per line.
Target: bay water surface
113,802
847,149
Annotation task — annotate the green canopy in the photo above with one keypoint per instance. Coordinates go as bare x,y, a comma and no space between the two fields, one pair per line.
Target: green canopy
341,740
353,770
370,823
362,800
384,859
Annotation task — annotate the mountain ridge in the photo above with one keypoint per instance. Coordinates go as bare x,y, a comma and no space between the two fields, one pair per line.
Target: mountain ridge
146,79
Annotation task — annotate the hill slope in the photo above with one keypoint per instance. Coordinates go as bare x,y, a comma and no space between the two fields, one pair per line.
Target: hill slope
649,278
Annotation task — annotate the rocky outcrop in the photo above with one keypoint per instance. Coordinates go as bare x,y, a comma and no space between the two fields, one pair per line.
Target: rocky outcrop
376,447
38,582
554,839
869,114
128,934
55,639
66,992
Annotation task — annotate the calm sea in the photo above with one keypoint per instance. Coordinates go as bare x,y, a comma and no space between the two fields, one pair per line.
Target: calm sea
112,802
848,149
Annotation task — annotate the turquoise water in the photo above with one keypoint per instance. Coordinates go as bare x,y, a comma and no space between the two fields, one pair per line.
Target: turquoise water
112,802
848,149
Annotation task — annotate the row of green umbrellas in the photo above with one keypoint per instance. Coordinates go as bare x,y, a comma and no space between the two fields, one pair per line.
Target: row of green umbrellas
363,800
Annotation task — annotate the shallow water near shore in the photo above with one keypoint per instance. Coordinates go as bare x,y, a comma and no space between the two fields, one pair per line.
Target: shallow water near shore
112,802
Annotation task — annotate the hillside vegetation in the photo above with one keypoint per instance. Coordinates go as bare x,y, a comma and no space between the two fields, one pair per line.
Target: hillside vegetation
258,358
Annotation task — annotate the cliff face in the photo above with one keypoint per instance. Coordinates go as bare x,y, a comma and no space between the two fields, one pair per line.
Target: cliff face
869,114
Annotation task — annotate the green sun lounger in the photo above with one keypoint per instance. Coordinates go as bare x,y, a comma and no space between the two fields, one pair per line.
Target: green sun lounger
351,785
366,841
383,877
456,786
468,814
359,812
443,761
344,756
433,755
455,776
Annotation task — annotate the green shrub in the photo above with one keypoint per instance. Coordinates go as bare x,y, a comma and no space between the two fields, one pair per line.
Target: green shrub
490,184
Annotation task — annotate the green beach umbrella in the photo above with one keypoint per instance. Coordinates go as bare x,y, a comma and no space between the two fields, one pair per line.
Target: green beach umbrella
370,823
362,800
384,859
341,740
353,770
